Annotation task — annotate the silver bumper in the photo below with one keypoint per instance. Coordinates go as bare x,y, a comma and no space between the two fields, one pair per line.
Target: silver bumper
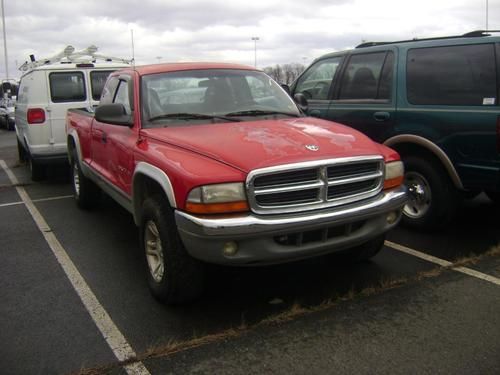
256,236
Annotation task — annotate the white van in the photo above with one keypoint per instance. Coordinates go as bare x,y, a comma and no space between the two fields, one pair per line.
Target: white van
46,92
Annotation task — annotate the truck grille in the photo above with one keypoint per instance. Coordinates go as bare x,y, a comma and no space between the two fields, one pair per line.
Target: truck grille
314,185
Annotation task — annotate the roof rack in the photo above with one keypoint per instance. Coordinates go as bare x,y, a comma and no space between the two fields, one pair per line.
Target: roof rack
472,34
69,55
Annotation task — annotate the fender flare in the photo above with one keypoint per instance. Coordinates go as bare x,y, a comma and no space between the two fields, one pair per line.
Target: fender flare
157,175
433,149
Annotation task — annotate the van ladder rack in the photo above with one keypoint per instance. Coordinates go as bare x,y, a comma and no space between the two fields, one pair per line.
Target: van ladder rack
69,55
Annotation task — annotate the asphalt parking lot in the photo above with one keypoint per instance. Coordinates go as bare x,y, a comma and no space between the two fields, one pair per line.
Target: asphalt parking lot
75,300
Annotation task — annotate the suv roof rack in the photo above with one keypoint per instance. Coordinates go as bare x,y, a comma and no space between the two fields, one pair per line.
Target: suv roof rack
472,34
69,55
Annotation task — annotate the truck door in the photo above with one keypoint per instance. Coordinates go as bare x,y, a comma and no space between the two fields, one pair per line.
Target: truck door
112,145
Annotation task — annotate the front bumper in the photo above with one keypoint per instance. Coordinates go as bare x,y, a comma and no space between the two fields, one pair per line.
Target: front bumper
268,239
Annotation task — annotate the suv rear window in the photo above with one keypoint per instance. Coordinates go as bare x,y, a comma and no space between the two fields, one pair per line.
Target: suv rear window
97,81
67,87
453,75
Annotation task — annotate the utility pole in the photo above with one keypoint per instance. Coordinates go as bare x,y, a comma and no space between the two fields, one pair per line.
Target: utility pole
255,39
5,44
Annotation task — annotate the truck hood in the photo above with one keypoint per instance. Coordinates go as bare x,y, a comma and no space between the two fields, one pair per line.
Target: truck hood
250,145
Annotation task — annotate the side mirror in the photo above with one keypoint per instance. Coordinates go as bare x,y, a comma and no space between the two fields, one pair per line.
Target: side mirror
285,87
114,113
301,101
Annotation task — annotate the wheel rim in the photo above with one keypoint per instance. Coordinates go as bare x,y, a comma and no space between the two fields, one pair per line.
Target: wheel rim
154,251
419,195
76,179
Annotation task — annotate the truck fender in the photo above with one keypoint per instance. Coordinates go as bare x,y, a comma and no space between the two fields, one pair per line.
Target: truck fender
73,134
155,174
433,148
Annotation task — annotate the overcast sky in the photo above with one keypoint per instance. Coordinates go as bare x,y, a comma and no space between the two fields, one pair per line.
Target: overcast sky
221,30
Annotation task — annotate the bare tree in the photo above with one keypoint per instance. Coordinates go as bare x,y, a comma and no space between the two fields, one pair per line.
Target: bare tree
286,73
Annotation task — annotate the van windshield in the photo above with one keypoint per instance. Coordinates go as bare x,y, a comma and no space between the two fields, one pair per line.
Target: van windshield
212,95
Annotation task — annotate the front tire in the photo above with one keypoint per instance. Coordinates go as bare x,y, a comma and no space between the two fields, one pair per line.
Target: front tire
87,194
433,199
174,277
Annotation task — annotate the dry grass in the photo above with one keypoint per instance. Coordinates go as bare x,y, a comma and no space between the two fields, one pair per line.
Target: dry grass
293,312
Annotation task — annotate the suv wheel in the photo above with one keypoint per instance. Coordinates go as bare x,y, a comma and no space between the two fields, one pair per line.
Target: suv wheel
174,277
86,193
432,197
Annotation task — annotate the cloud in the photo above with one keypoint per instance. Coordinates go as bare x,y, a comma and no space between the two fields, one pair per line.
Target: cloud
289,31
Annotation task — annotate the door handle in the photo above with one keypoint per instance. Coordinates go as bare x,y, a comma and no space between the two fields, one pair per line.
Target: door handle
381,116
104,138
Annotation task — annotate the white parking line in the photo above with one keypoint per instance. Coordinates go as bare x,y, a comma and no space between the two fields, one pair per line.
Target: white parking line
115,339
443,263
37,200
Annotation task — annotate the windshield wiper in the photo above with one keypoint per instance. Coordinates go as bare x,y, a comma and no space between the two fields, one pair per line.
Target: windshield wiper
191,116
256,112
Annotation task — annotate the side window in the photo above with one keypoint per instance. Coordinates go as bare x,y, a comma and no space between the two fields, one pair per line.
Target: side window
316,82
368,76
109,90
97,80
122,96
453,75
67,87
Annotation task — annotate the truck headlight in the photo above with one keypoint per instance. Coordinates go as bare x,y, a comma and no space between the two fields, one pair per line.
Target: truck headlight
394,174
217,199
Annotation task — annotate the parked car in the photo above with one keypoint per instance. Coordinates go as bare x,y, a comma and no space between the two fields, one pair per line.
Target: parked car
48,88
8,97
435,101
237,178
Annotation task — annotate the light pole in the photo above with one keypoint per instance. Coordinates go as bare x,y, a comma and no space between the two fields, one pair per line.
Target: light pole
159,59
255,39
5,44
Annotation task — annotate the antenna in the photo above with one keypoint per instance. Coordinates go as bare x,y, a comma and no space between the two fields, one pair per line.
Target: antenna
133,51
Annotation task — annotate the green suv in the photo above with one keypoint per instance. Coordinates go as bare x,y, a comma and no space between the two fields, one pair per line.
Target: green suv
435,101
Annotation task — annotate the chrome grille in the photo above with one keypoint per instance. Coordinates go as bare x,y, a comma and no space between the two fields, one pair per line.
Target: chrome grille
314,185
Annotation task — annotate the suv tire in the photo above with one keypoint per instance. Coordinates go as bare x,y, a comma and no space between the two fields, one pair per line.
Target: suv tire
432,197
174,277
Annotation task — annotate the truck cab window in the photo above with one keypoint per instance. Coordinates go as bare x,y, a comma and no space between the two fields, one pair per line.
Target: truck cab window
122,96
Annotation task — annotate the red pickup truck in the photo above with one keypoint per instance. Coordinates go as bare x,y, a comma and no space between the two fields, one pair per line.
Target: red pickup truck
218,165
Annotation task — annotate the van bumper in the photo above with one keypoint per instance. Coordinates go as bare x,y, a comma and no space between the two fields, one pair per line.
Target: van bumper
269,239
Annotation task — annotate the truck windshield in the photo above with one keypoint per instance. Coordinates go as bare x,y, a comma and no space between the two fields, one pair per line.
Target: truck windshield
212,95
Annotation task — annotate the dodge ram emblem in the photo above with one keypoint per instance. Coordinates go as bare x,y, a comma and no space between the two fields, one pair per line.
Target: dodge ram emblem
312,147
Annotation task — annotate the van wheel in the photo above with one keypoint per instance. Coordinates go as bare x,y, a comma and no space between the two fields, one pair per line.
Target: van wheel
86,193
21,152
432,197
37,171
174,277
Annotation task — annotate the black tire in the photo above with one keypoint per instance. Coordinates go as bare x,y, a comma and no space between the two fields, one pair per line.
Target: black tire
174,277
37,170
21,152
87,194
433,200
494,196
11,125
367,250
4,123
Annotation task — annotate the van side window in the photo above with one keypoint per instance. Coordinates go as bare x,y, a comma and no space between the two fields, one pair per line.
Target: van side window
368,76
317,81
452,75
122,96
67,87
97,80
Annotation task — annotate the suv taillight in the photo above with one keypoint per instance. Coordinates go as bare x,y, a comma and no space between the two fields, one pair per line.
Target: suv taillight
36,116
